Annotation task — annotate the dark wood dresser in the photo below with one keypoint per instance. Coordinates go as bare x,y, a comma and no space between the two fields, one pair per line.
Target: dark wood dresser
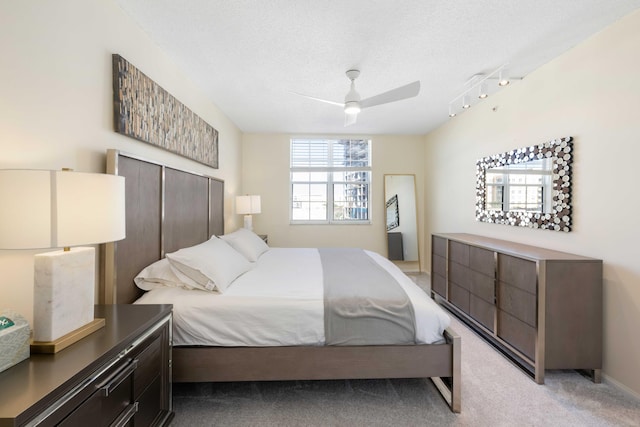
119,375
539,307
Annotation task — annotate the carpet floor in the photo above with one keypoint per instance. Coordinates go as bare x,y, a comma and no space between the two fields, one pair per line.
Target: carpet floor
494,393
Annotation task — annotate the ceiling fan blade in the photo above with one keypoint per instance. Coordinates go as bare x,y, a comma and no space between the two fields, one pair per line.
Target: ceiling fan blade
341,104
397,94
350,119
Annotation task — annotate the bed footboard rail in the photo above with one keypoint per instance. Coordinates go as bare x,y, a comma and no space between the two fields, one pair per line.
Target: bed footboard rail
450,387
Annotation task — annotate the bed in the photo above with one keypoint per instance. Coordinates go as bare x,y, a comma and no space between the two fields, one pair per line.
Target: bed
157,225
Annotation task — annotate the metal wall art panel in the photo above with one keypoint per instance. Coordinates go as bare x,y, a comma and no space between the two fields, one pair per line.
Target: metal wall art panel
145,111
557,216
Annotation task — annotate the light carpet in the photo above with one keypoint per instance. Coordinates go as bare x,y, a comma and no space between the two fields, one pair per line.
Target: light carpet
494,393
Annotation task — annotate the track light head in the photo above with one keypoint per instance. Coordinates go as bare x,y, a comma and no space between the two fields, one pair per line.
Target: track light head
482,92
465,101
503,78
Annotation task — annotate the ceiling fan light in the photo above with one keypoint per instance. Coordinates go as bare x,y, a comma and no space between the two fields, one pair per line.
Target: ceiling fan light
352,107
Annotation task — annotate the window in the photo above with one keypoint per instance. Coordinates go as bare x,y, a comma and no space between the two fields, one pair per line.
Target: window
330,180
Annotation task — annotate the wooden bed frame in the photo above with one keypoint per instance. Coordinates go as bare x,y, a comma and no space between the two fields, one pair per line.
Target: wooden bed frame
158,223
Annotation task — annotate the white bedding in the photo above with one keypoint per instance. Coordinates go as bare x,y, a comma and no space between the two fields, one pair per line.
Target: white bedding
279,302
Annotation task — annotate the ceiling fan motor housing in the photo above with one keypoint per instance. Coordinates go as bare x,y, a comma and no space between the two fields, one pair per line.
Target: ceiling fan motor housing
352,99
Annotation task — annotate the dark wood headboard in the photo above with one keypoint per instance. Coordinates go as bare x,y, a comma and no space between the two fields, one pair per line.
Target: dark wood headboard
166,209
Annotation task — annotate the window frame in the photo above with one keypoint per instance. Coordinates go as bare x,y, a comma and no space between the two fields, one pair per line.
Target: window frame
330,182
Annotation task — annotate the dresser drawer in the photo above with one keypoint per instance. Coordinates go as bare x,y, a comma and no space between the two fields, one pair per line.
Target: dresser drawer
459,297
459,274
483,286
439,246
482,311
517,333
517,272
518,303
459,252
439,285
439,265
482,261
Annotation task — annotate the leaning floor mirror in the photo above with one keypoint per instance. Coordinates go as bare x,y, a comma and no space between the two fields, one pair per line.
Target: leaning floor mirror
402,221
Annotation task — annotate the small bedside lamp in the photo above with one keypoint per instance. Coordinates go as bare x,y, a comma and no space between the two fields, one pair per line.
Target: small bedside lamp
248,205
60,209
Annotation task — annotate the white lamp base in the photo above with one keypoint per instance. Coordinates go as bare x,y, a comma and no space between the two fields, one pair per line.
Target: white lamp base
64,293
248,222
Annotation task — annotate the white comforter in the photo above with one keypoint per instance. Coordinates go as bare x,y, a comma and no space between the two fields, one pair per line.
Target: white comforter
279,302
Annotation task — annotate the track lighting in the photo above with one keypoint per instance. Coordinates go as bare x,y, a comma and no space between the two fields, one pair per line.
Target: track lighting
481,83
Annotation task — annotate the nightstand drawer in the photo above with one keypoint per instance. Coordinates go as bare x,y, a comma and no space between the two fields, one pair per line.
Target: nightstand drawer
150,404
111,397
149,365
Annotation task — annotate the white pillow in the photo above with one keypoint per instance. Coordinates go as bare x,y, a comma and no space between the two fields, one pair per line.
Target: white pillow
160,274
247,243
211,264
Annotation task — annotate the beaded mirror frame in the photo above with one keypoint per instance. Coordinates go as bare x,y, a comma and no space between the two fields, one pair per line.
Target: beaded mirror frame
559,218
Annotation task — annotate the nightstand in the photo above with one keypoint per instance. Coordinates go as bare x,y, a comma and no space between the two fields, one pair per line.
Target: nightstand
264,237
120,375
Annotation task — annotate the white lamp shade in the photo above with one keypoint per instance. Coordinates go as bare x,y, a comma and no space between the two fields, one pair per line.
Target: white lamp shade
52,209
247,205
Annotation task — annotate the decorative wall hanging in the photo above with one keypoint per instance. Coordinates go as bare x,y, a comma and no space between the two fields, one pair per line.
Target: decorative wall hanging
393,214
527,187
145,111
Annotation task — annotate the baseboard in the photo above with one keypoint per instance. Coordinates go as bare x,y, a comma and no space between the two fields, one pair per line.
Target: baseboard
623,388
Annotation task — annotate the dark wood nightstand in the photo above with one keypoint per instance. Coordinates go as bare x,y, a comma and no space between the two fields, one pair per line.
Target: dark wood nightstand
119,375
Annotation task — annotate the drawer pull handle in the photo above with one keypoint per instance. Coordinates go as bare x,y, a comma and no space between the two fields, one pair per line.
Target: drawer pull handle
116,379
126,415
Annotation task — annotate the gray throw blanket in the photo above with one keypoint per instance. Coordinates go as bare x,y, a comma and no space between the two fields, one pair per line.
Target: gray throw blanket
363,303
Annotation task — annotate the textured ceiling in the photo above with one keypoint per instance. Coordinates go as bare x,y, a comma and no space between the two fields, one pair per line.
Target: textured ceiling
248,56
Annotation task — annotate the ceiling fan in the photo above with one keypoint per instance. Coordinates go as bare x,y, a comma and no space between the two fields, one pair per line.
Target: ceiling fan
353,104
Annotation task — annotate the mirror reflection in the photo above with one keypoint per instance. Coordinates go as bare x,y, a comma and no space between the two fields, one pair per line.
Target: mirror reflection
401,220
520,187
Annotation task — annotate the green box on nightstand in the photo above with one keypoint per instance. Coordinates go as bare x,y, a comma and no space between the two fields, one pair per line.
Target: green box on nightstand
14,339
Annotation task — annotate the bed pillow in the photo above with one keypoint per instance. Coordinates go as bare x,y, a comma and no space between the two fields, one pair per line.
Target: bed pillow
247,243
161,274
212,264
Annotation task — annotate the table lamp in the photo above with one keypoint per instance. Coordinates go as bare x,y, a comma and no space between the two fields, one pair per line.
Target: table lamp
60,209
248,205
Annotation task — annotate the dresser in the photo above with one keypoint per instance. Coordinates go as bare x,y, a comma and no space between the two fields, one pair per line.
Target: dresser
119,375
541,308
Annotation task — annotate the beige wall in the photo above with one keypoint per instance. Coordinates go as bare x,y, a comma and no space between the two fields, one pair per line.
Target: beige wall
266,172
56,104
590,93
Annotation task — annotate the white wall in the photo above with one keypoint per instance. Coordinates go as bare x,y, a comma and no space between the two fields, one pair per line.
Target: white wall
56,107
266,172
590,93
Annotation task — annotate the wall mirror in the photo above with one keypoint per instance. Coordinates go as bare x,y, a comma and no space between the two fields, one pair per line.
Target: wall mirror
402,220
527,187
